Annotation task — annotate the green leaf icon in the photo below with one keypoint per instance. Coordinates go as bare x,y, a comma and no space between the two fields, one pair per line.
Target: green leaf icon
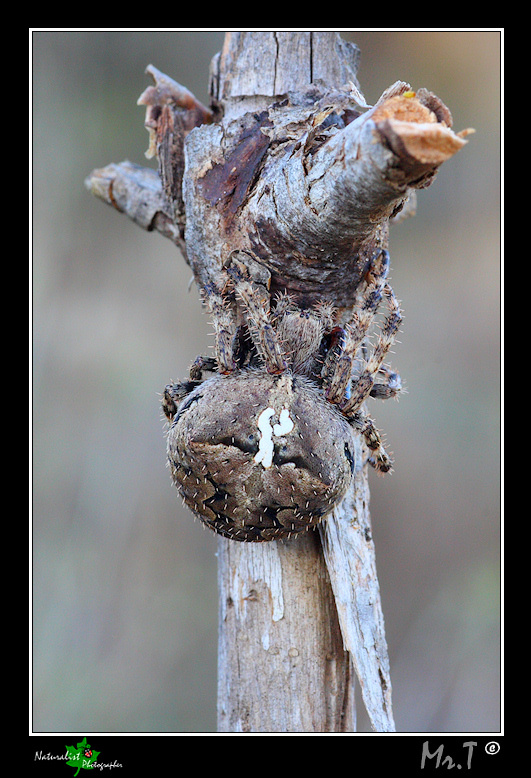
82,757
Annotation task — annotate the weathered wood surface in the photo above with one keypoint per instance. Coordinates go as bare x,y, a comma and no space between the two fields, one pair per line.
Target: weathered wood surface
282,663
292,165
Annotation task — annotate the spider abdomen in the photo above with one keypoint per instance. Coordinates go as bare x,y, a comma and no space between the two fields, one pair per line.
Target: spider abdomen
260,457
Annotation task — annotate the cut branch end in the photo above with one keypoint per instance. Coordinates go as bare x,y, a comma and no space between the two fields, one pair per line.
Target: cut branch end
419,124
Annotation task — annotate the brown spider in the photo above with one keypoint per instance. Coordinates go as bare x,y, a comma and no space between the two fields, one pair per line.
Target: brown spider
264,448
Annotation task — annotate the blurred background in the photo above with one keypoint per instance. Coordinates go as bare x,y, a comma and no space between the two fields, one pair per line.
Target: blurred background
125,594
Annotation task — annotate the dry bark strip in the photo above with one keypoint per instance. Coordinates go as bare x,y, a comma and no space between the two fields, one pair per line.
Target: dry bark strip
290,164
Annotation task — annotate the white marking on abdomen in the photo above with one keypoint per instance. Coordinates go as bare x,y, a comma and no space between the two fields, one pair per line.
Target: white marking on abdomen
264,454
285,426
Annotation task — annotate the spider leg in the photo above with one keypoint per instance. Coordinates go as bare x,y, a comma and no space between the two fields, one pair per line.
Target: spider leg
284,304
336,372
387,384
374,379
225,330
365,383
256,300
379,458
201,364
174,394
338,364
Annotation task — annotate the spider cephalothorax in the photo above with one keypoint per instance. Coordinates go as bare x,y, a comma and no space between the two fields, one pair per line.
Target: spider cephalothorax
264,447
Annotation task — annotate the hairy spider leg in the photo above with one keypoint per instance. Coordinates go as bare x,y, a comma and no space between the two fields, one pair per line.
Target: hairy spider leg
256,301
224,328
379,459
200,364
336,372
174,394
375,379
284,303
387,384
338,364
364,384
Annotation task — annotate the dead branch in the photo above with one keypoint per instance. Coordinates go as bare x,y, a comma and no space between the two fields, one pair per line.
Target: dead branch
291,165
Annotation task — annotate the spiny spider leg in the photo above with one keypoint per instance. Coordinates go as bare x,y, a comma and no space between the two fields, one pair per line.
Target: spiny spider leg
387,384
256,300
200,364
336,372
224,328
364,384
337,367
379,458
374,379
174,394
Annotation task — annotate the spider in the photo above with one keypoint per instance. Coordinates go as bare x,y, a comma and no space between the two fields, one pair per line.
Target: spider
263,448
